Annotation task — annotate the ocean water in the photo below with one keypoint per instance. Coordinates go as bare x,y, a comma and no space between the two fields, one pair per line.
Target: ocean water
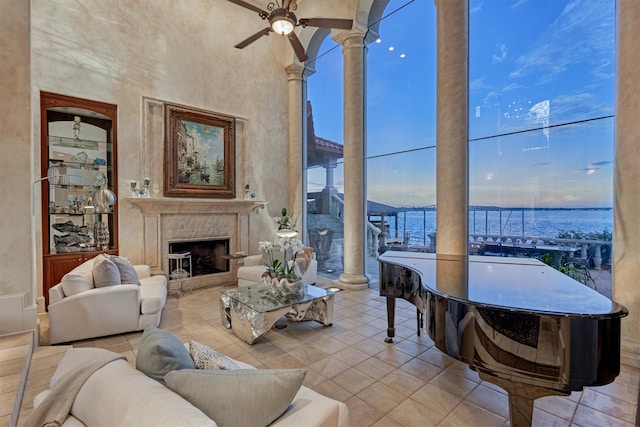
529,223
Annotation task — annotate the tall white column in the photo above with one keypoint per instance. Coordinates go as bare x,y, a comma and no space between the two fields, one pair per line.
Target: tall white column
626,223
294,159
354,150
452,127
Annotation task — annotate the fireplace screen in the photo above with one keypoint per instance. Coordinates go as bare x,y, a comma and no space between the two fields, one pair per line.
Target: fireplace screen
206,255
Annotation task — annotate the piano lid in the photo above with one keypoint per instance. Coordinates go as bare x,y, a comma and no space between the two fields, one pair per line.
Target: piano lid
522,284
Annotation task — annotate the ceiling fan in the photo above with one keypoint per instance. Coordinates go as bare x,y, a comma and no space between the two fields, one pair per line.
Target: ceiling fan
282,20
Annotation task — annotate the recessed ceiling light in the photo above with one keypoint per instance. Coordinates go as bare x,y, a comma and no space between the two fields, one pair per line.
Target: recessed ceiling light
402,55
391,48
378,40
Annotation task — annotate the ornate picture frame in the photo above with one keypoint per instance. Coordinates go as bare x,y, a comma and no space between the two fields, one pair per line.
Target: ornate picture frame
199,159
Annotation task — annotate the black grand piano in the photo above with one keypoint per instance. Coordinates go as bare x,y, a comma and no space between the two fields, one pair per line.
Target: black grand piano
519,323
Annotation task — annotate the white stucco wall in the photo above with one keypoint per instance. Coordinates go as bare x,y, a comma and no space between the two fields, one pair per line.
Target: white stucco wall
16,271
120,52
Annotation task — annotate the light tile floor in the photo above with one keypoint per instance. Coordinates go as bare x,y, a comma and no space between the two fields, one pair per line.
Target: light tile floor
408,383
14,350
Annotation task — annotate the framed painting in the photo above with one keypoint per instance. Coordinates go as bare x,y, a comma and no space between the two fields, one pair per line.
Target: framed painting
199,154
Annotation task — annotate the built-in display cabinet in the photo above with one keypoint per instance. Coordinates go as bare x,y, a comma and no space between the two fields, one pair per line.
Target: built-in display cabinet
79,183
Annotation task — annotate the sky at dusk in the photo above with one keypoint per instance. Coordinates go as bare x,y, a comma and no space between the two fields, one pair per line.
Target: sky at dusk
534,65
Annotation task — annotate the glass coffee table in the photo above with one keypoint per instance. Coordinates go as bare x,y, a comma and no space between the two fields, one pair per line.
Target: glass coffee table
251,311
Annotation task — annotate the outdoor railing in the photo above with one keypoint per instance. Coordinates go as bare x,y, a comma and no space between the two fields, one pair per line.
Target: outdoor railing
590,250
595,253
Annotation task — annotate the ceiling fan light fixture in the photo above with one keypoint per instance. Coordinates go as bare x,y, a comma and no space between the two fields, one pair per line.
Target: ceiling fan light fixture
282,22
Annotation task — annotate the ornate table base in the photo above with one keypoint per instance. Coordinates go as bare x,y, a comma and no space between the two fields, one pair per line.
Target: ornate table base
250,312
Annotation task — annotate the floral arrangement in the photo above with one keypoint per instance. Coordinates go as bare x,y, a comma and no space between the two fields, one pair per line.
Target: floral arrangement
285,221
289,247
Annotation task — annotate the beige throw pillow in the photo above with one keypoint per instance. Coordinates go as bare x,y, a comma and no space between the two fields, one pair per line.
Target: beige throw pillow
78,280
243,397
74,283
105,272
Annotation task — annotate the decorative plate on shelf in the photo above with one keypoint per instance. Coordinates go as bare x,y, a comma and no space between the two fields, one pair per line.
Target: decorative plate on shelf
81,157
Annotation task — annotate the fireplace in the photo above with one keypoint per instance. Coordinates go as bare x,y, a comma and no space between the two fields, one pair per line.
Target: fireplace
206,255
171,221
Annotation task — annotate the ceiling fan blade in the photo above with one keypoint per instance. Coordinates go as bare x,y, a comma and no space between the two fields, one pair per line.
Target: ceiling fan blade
297,47
256,36
250,7
342,24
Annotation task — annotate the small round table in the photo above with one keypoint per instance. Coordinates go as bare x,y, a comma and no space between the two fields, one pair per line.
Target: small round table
178,274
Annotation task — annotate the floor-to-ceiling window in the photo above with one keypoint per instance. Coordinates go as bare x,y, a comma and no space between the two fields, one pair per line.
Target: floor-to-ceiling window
541,98
541,89
324,160
400,135
400,126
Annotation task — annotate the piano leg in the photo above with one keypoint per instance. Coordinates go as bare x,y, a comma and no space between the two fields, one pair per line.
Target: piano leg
419,316
391,317
521,398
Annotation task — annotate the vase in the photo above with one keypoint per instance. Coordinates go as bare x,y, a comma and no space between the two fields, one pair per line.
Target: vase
283,286
286,233
53,174
101,235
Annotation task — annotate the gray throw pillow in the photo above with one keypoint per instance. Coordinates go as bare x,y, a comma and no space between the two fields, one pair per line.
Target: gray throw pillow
160,352
105,272
128,273
243,397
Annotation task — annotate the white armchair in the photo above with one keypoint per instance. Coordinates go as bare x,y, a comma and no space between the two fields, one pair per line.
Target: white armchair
78,310
251,272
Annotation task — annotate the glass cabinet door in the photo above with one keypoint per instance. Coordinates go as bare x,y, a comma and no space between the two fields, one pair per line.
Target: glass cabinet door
78,173
78,183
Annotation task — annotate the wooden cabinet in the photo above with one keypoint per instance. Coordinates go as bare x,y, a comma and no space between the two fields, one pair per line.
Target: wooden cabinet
78,184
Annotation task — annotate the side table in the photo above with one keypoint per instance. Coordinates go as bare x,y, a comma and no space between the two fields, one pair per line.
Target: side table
178,274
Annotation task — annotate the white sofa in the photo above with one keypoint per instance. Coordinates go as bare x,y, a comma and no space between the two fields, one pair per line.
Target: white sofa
119,395
251,272
78,310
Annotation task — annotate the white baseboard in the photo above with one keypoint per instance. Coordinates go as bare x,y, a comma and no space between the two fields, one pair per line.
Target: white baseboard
14,316
40,303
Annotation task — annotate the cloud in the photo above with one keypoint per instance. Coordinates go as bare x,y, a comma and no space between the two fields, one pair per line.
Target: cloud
602,163
566,105
478,84
518,4
477,8
512,86
496,59
578,34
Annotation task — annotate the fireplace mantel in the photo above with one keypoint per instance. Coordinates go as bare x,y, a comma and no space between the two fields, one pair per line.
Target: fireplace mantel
167,220
167,206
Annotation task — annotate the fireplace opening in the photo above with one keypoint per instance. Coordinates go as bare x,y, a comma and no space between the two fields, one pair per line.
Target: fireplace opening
206,256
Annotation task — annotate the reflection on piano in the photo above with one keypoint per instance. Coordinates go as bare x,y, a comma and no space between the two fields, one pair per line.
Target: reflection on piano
519,323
